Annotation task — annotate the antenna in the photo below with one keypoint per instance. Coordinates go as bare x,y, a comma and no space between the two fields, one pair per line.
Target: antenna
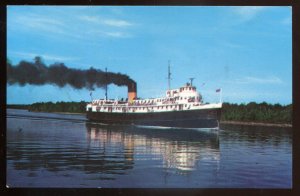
106,83
169,75
191,81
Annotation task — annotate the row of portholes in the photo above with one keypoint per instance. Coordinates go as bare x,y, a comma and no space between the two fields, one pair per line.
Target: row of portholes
139,108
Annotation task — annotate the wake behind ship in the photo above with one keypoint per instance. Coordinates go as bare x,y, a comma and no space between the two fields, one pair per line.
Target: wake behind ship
180,108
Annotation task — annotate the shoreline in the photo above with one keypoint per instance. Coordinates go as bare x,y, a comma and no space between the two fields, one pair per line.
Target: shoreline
255,124
72,113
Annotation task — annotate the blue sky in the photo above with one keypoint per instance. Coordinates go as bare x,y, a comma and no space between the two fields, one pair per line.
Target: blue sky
246,51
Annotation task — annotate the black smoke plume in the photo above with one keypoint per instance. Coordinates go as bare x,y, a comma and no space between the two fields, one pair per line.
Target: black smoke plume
37,73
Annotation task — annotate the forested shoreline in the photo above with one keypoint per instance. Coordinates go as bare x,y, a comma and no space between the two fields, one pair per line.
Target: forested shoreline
251,112
257,112
68,107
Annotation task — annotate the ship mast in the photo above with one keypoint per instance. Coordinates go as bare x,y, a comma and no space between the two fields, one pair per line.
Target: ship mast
191,81
169,76
106,83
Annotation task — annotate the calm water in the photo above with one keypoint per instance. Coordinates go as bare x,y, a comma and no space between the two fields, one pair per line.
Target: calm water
57,150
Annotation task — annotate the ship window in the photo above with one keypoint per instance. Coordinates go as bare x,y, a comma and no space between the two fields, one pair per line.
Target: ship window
185,105
166,107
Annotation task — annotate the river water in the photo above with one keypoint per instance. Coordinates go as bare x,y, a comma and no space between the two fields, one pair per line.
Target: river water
60,150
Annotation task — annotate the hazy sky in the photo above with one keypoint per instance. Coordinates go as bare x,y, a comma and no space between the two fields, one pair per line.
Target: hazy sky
246,51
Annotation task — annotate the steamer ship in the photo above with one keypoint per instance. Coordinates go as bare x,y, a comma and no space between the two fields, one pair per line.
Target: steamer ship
180,108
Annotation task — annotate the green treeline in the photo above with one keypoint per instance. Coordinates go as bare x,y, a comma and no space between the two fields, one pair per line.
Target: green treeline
251,112
71,107
257,112
18,106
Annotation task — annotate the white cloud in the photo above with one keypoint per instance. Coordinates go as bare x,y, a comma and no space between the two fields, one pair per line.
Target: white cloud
286,21
27,56
255,80
115,34
37,22
91,19
45,26
117,23
116,10
62,25
268,80
109,22
247,13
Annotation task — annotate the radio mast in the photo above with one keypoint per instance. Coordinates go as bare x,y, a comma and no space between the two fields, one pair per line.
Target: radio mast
169,76
191,81
106,83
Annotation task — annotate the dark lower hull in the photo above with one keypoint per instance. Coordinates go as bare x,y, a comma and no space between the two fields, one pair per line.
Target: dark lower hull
204,118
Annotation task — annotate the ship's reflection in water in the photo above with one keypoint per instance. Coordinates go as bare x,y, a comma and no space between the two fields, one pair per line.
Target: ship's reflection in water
65,153
178,149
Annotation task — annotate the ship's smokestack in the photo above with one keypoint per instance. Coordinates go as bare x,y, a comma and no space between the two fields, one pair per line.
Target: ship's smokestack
132,92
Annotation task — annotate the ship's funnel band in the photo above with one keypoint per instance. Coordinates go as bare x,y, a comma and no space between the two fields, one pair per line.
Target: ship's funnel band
132,92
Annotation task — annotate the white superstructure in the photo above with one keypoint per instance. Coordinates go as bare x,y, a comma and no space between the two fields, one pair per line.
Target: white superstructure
183,98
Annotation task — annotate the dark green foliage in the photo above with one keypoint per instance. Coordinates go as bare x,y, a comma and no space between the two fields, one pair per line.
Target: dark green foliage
72,107
18,106
257,112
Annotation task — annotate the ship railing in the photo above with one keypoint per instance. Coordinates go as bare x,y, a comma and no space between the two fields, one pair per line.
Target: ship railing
142,103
